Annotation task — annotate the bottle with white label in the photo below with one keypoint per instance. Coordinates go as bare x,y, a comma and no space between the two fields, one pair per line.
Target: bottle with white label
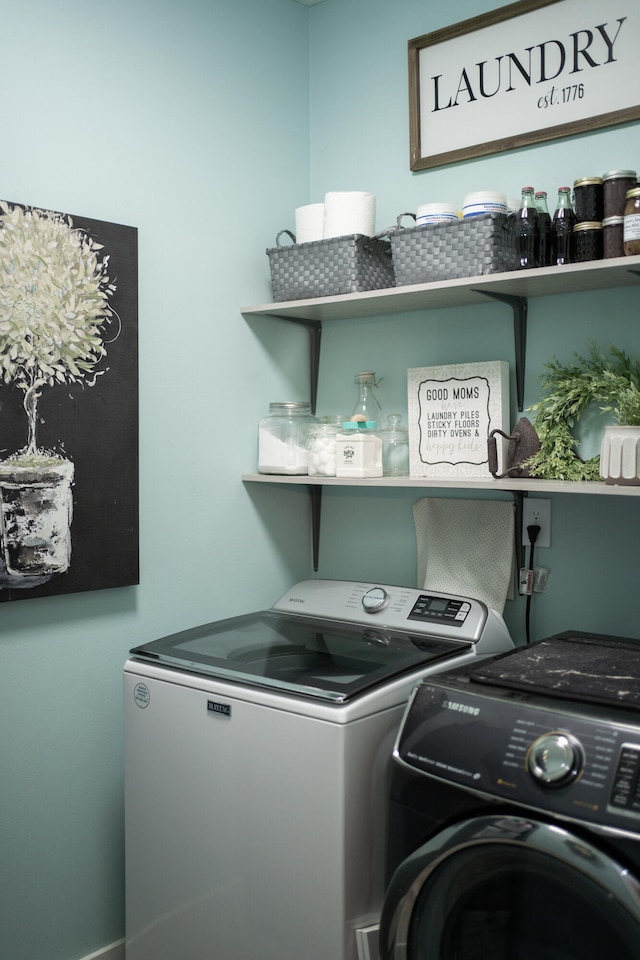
631,236
358,450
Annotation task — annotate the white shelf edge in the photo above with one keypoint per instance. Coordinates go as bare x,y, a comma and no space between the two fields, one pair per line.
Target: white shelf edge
544,281
510,486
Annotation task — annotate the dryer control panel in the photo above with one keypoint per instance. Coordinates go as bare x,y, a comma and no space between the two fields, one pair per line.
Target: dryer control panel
549,756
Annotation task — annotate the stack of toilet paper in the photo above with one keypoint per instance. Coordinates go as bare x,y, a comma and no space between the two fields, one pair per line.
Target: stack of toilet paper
342,213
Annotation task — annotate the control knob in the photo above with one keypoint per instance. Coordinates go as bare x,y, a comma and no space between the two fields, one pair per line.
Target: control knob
555,759
375,600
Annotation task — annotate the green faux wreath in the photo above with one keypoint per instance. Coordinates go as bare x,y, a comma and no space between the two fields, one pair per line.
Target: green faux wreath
612,381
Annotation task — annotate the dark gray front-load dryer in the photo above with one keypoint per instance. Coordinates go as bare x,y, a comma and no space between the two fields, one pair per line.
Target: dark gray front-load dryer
514,825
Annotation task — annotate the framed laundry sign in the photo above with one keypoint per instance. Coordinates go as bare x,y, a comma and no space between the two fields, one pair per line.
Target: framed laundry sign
527,72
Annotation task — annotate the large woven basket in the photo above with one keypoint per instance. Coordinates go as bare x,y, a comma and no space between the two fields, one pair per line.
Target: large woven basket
326,268
470,247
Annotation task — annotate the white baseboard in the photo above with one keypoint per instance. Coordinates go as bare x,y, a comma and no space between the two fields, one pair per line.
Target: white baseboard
115,951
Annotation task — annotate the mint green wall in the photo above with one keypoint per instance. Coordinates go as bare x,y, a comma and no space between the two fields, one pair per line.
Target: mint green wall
360,141
205,123
188,120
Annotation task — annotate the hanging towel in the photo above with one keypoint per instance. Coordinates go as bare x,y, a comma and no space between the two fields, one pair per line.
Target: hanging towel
466,547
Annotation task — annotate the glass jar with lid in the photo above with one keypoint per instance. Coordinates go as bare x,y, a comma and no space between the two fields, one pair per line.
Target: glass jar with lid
322,448
615,186
588,199
587,241
395,448
282,438
632,223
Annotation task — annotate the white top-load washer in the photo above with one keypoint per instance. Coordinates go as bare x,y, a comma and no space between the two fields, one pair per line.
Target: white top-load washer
258,759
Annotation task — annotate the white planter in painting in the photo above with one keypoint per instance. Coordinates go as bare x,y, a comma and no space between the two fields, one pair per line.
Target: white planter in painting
37,505
620,455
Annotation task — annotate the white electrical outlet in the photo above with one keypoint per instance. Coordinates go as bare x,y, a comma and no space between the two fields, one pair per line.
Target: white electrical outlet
538,511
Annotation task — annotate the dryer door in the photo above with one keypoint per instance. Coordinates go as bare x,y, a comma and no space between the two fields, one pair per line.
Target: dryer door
510,888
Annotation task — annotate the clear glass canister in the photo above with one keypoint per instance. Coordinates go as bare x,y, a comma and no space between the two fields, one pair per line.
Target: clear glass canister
322,449
395,448
282,438
358,450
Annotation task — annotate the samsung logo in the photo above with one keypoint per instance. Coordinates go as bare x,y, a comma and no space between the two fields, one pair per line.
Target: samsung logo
222,708
461,707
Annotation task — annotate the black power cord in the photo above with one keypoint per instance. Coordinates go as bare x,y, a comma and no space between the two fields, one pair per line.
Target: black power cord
533,530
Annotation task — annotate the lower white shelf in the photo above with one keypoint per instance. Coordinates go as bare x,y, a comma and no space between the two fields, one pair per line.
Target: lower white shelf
528,485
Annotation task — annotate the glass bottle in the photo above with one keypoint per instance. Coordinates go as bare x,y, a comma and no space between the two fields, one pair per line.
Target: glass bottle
527,232
366,407
544,226
563,222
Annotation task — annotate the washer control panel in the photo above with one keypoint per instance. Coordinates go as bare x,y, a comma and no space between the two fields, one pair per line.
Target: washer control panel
413,611
438,609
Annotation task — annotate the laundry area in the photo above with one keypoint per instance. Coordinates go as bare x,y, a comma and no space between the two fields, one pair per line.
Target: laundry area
319,481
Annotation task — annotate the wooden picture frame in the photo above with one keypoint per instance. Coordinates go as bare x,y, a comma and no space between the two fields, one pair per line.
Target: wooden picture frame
529,72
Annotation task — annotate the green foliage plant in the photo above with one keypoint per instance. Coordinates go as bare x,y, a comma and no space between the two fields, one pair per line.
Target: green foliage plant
54,302
611,380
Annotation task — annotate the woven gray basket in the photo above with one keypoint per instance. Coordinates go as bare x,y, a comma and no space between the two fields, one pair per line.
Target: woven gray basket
326,268
470,247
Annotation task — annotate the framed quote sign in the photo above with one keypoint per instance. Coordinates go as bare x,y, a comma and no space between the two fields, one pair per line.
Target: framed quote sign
528,72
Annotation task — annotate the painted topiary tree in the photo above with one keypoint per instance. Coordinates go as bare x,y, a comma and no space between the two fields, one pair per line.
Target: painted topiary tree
54,304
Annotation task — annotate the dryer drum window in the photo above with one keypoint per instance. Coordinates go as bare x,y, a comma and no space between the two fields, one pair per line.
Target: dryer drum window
506,901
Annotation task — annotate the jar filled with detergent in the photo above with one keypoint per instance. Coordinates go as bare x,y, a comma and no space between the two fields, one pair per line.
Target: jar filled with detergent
283,436
358,450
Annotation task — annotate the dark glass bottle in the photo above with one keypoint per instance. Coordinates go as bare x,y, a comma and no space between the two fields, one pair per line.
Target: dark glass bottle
544,228
563,222
527,233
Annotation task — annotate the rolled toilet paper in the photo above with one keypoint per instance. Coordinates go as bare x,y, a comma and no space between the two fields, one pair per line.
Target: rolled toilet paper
347,212
310,223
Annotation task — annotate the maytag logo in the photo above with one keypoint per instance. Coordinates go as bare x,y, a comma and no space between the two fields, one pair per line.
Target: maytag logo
224,709
295,600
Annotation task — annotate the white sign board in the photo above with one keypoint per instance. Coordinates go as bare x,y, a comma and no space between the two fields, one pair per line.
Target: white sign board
525,73
452,411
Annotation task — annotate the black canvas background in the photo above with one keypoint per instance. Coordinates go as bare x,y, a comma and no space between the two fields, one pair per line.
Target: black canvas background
97,428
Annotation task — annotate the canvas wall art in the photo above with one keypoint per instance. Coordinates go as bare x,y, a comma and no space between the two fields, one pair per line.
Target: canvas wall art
68,403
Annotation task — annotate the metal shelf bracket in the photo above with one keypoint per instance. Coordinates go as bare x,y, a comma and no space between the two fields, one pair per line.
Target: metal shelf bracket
315,335
520,306
315,493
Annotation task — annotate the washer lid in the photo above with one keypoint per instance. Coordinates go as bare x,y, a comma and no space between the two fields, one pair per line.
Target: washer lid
304,656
